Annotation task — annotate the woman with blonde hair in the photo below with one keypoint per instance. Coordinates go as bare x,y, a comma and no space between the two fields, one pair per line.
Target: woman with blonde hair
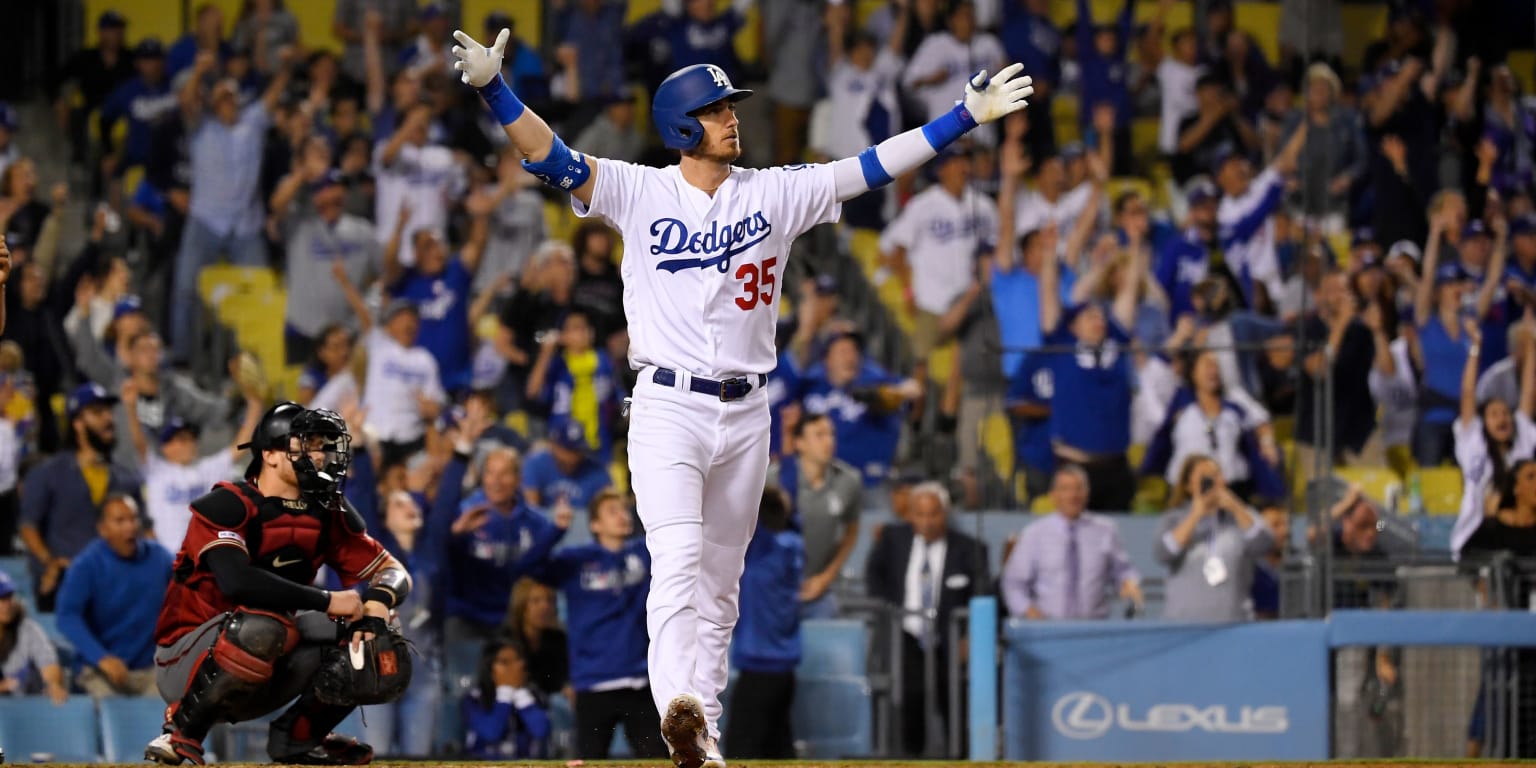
534,622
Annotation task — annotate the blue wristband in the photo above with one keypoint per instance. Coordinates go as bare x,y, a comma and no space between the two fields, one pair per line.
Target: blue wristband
948,127
502,101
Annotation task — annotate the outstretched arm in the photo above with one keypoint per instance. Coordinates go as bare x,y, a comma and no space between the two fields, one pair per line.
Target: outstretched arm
545,155
986,100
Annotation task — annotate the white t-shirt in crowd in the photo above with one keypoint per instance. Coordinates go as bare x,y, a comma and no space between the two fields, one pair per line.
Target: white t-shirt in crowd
839,129
336,393
1477,471
428,177
1176,80
942,235
943,52
1397,396
170,489
395,375
1033,211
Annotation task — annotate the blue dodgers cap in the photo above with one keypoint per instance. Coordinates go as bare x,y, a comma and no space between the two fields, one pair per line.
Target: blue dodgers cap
1224,153
1525,225
826,285
176,426
111,19
87,395
149,48
398,305
7,587
1363,236
127,305
1073,150
8,117
1450,273
498,20
431,11
331,178
1475,228
568,434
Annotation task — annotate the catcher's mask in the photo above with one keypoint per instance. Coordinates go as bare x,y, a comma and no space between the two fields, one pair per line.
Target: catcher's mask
321,451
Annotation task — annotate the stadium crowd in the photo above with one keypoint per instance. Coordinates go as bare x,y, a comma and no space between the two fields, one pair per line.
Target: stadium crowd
1163,276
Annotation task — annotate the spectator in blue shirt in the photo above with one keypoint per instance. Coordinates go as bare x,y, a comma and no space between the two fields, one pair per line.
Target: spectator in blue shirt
1030,37
700,34
65,493
566,470
605,584
503,719
766,647
207,36
864,402
1105,74
1019,256
226,213
579,382
110,600
1092,381
143,100
592,48
1028,401
522,67
439,286
783,400
1183,261
492,540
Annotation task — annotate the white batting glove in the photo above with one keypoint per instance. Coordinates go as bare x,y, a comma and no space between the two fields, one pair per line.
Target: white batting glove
478,63
1002,95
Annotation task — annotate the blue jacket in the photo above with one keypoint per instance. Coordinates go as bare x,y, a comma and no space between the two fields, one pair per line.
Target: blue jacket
482,565
1182,263
443,303
768,633
142,104
1104,78
605,596
502,731
542,474
107,605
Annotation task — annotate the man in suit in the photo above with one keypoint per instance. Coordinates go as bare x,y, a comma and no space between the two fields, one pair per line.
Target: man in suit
926,570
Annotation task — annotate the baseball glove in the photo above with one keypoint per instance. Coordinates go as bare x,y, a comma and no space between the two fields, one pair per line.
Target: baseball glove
377,671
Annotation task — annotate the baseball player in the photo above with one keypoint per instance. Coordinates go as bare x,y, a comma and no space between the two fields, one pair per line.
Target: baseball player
705,246
241,632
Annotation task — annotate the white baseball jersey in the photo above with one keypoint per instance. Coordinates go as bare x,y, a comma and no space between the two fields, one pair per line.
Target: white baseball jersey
426,176
943,52
942,234
702,272
395,375
170,489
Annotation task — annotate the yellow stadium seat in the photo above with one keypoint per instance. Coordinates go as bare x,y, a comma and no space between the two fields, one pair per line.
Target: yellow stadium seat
1134,455
1374,482
997,443
1144,131
1338,242
1364,23
517,421
1523,65
1284,427
1151,496
559,221
1042,505
146,18
939,361
864,245
1262,21
235,279
1441,487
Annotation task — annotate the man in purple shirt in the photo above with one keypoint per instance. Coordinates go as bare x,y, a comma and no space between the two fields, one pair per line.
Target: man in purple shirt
1063,565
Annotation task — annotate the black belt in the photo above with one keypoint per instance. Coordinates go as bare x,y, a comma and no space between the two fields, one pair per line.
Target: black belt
728,390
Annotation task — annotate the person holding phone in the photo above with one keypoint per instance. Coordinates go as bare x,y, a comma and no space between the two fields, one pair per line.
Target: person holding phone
1209,542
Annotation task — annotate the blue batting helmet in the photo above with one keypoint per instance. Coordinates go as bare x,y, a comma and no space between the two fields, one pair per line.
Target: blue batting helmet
684,92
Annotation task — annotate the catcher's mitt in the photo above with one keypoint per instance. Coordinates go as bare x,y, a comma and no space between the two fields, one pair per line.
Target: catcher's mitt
377,671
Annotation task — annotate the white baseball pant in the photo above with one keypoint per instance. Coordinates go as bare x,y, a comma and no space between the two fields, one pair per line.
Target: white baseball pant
698,466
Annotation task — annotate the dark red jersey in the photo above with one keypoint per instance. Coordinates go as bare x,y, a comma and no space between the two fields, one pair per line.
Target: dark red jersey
291,538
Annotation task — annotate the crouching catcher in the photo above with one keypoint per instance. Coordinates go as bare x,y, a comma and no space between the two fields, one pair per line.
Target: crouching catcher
243,633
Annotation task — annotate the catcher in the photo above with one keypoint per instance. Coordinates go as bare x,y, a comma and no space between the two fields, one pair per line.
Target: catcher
242,632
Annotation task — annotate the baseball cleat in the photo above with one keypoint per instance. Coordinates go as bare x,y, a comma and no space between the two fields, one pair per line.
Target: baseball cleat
334,749
683,730
174,749
712,756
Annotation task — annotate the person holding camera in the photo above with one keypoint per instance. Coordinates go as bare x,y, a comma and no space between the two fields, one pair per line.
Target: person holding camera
1210,542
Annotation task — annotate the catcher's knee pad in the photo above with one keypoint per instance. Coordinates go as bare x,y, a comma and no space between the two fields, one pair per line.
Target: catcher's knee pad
251,641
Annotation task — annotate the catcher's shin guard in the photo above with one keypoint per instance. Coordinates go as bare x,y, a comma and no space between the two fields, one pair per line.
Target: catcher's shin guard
302,733
239,662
